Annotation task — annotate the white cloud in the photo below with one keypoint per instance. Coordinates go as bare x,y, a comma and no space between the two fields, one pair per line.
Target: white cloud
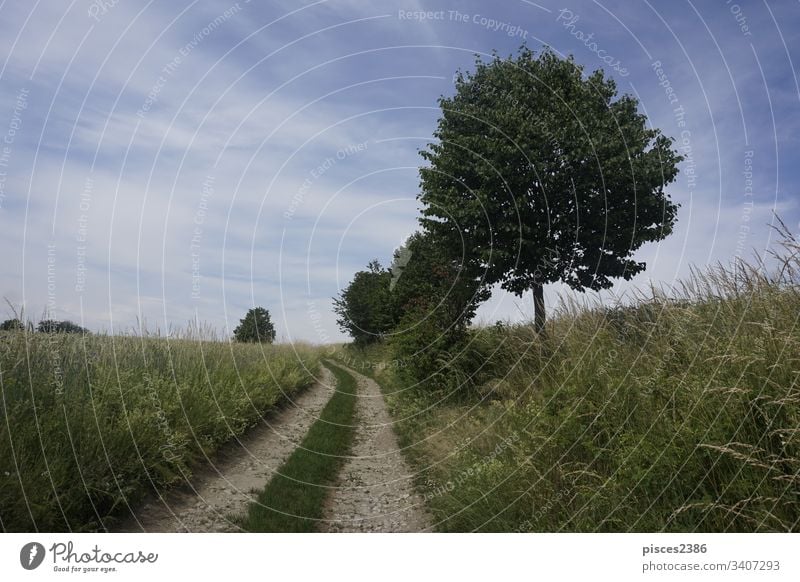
261,108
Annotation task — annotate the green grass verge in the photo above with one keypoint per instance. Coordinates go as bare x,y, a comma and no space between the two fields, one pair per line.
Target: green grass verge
293,499
91,424
673,414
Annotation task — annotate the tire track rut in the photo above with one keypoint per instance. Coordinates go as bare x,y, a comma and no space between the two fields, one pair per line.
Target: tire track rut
374,492
226,486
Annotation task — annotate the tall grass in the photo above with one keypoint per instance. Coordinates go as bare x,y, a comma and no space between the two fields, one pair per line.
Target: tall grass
680,412
92,423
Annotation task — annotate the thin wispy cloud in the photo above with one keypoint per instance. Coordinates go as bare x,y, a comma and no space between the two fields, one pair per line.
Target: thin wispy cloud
176,160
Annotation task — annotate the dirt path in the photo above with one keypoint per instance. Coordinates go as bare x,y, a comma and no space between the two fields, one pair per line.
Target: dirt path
227,485
374,492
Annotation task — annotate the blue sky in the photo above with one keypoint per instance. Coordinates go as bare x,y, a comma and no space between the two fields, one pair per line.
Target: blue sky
179,160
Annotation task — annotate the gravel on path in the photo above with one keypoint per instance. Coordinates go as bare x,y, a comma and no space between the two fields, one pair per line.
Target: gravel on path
374,492
237,472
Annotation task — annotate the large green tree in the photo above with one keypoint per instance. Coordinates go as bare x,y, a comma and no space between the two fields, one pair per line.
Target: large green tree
256,326
365,307
541,175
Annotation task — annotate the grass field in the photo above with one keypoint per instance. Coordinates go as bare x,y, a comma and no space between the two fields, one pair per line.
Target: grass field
293,499
678,413
92,423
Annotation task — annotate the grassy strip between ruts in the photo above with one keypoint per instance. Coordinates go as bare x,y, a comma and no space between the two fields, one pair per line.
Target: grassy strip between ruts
293,500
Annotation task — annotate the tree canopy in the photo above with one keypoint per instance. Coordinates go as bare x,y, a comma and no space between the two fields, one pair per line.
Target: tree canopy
11,325
422,283
54,326
365,307
541,175
426,278
255,327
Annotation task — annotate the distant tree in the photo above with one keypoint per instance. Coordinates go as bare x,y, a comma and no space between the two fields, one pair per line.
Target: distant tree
48,326
11,325
541,175
365,307
256,326
54,326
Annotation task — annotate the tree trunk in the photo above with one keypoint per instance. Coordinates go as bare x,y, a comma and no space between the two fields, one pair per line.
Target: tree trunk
538,308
